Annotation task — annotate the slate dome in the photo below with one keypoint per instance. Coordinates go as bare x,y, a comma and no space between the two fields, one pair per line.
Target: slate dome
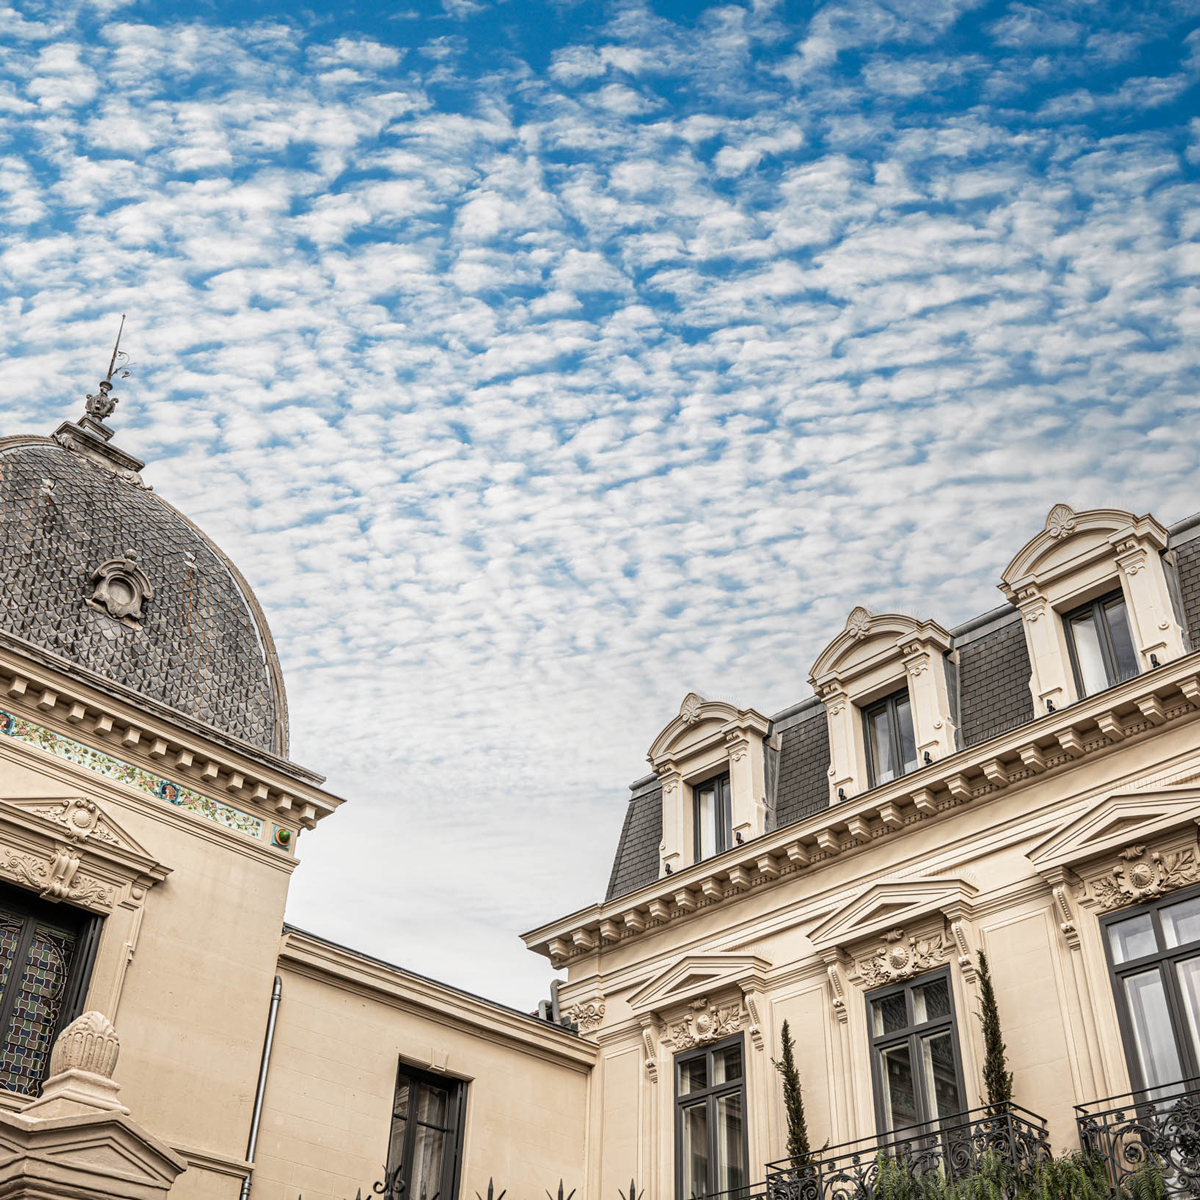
100,571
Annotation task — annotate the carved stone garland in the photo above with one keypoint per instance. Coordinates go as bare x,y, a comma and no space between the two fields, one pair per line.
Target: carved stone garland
1143,877
706,1022
586,1015
58,877
899,959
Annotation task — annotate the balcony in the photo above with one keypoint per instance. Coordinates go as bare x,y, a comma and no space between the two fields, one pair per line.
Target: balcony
951,1148
1160,1127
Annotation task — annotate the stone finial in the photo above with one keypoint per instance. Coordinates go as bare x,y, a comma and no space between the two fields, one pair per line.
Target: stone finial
89,1043
1060,521
689,710
858,623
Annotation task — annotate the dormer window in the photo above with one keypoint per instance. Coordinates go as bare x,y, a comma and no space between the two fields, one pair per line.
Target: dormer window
713,817
891,741
1102,652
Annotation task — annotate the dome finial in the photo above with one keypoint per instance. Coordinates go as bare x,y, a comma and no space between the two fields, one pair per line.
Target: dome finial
101,404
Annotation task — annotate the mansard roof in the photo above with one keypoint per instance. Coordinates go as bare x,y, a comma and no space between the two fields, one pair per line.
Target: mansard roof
990,690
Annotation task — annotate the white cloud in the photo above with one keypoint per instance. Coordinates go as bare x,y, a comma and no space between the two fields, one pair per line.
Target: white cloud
527,411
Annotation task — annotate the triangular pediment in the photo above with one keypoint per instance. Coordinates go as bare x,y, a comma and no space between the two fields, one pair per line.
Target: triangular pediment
80,819
889,903
1117,820
696,975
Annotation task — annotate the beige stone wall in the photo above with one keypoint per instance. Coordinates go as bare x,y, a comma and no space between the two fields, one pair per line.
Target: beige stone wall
345,1023
980,874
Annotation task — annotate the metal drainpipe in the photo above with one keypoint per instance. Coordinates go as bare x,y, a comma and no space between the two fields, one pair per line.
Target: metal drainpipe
276,992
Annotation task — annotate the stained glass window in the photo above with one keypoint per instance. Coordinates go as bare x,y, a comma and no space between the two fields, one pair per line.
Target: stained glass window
39,946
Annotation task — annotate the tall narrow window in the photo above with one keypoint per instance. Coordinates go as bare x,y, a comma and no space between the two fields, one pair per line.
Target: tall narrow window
915,1061
891,743
1154,952
426,1143
710,1121
46,954
713,817
1102,652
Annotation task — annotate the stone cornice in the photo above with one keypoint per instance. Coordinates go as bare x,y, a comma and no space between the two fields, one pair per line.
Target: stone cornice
83,713
1052,743
438,1002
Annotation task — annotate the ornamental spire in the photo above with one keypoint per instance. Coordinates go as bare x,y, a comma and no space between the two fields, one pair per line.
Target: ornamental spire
100,406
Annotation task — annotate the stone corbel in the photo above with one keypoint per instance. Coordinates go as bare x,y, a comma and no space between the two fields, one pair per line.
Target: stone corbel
958,930
837,989
754,1003
651,1027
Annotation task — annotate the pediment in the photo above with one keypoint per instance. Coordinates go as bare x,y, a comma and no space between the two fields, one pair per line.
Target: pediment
870,638
888,904
696,975
701,722
1117,820
79,819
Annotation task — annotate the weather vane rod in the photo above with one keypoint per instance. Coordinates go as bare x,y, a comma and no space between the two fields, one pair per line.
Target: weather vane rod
112,365
101,405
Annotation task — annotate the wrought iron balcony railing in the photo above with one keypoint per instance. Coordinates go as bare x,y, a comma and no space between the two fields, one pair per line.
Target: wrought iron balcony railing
1159,1126
952,1148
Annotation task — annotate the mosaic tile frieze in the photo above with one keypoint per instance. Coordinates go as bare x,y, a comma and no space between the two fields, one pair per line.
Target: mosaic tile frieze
66,748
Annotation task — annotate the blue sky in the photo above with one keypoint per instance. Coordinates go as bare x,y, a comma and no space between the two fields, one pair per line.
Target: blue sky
539,363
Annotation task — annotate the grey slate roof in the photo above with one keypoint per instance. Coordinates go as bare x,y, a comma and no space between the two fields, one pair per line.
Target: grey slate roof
989,689
203,650
636,863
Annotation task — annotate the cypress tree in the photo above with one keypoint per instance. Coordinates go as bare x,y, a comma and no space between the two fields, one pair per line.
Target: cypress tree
997,1077
793,1100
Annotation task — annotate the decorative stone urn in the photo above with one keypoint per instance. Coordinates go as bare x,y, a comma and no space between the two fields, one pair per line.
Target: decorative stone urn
78,1139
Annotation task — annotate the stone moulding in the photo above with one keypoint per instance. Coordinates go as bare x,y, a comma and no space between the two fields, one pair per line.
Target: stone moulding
21,729
1050,743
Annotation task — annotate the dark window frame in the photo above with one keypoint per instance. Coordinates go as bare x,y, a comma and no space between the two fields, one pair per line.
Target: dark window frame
724,806
1189,1057
86,927
887,703
1108,653
456,1131
708,1097
912,1034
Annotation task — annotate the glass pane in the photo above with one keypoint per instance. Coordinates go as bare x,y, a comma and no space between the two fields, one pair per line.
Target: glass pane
941,1076
731,1143
695,1150
31,1029
1132,938
1118,628
899,1092
1087,651
727,1064
401,1106
693,1076
706,821
881,746
889,1014
1188,974
908,740
396,1143
931,1001
1152,1035
433,1105
1181,922
10,934
429,1153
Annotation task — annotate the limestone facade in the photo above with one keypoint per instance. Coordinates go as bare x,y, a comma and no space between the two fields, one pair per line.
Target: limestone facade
148,835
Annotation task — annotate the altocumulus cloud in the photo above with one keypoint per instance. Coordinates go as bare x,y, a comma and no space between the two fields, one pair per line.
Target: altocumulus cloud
538,364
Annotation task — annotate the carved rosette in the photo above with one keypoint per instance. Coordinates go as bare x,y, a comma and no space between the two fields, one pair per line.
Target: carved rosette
1143,876
706,1022
586,1016
900,958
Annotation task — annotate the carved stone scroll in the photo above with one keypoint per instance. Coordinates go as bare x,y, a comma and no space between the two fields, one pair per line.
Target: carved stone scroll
899,958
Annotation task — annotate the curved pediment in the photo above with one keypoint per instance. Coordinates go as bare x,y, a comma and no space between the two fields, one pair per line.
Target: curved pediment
697,722
1069,538
870,638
